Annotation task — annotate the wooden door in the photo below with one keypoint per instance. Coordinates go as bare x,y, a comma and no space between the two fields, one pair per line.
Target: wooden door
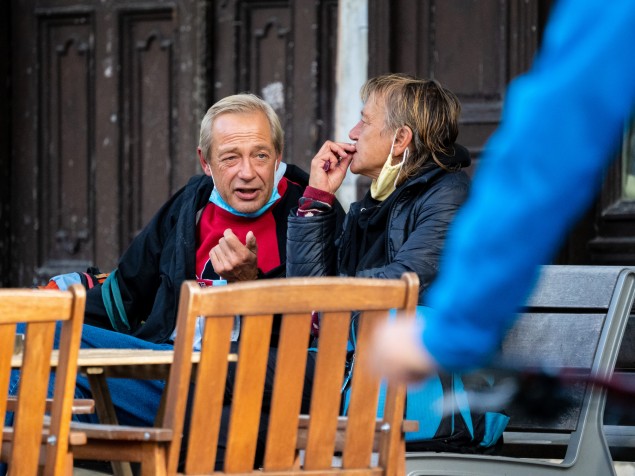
476,48
105,106
106,102
472,47
5,142
284,51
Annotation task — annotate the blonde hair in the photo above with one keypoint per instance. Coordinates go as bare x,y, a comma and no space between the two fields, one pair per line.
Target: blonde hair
239,104
427,108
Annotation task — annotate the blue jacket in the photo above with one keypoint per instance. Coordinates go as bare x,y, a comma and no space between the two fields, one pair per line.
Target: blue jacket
561,125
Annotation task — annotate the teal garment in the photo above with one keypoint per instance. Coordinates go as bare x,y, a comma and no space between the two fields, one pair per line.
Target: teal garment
562,123
442,407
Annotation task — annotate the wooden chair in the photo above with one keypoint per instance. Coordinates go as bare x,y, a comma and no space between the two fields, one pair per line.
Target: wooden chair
321,434
158,448
26,445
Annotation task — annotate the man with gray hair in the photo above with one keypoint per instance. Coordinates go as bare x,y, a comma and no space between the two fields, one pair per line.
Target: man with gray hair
227,225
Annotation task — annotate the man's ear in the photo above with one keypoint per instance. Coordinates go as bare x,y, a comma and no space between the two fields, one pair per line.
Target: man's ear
204,165
278,160
402,141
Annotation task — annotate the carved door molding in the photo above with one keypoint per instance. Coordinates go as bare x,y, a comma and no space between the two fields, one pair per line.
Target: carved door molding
105,108
283,51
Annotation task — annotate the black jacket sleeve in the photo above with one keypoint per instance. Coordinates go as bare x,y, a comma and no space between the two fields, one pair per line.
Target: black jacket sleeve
138,269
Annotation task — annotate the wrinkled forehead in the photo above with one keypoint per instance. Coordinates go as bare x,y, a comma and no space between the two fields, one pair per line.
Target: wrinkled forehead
249,129
375,109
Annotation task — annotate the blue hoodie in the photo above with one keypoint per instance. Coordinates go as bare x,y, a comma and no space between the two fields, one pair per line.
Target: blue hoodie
561,125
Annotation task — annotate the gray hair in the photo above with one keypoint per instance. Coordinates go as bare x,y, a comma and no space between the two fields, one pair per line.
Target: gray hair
239,104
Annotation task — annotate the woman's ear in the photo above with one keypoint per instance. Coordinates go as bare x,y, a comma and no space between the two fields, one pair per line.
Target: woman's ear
402,141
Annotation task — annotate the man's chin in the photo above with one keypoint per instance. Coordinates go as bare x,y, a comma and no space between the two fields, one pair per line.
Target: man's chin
246,206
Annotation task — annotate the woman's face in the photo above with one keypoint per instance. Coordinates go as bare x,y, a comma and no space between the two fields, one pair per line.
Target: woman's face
372,141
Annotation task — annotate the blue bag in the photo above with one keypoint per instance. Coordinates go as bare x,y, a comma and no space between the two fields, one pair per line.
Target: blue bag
441,405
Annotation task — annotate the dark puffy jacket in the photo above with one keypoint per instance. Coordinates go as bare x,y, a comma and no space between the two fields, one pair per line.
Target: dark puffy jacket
420,214
163,255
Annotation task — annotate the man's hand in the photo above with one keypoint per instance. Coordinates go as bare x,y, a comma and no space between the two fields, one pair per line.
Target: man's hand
328,167
398,353
234,261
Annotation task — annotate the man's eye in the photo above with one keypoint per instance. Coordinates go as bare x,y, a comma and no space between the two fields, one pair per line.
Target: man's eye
262,156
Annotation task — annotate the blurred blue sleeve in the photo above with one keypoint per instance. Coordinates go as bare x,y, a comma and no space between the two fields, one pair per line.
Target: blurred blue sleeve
561,124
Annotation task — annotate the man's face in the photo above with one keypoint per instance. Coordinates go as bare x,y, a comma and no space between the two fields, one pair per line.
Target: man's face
373,142
243,160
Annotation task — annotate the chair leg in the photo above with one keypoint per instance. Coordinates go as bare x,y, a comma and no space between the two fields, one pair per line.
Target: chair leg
68,467
154,461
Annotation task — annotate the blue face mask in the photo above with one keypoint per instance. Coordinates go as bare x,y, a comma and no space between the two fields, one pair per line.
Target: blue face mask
217,200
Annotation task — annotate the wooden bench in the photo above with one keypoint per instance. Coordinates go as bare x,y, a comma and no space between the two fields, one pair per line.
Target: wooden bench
575,319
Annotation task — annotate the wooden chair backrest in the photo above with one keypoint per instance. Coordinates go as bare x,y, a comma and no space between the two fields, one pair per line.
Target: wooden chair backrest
294,299
41,310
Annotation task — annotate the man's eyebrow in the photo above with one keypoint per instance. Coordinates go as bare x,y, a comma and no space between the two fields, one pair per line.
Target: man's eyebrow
237,148
226,149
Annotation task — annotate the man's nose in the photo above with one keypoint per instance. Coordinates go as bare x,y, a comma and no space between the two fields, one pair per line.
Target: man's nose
247,170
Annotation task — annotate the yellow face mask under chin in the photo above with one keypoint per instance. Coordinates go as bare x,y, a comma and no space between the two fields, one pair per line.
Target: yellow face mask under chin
386,182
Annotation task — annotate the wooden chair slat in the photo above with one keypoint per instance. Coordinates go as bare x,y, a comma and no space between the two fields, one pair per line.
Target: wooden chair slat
287,392
208,399
365,386
253,353
392,441
327,384
7,338
34,378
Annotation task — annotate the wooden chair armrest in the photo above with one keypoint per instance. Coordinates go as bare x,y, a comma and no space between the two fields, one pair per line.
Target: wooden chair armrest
407,425
98,431
74,437
81,406
303,427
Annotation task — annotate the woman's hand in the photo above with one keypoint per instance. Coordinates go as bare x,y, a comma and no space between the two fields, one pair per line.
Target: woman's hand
328,167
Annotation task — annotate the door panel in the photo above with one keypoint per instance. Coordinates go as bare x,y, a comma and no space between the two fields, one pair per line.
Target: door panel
5,143
472,47
105,116
64,158
283,51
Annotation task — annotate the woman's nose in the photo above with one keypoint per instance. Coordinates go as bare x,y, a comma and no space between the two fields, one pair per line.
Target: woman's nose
354,132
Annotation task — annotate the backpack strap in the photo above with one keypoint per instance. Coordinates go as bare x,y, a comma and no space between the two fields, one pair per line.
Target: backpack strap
462,403
117,314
